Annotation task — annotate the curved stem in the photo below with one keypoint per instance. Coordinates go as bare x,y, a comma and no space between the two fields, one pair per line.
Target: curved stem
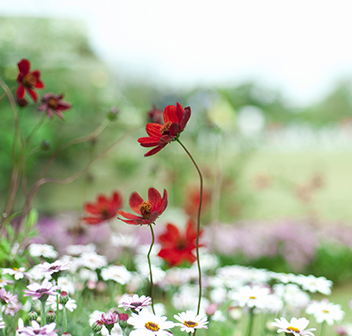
35,129
198,221
150,268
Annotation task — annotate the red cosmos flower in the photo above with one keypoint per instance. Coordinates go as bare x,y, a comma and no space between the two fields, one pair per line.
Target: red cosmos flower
104,209
175,119
28,80
148,211
54,103
177,247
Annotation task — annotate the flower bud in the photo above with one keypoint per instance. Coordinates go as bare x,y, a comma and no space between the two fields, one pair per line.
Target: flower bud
32,315
64,297
50,316
21,102
211,309
66,334
123,320
112,114
97,326
45,145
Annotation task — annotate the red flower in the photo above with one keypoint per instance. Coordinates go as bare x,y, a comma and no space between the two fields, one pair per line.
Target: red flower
155,115
104,209
177,247
28,80
148,211
54,103
175,119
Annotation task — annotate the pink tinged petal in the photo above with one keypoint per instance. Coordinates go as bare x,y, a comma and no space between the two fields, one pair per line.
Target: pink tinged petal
135,202
174,130
154,151
186,116
42,107
128,215
59,114
33,94
20,92
154,198
153,129
49,112
170,114
179,112
63,106
24,66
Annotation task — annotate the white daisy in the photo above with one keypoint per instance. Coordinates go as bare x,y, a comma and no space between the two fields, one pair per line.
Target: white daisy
251,296
42,250
158,273
93,260
135,302
57,266
124,240
79,249
295,327
2,323
66,285
88,275
314,284
325,311
70,304
117,273
147,324
191,321
18,273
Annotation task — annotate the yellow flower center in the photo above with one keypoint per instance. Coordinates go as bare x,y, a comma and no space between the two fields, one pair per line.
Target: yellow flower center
166,128
325,311
152,326
293,329
15,269
146,209
252,297
190,324
29,80
53,103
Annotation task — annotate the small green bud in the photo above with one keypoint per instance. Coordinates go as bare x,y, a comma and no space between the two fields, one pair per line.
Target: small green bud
97,326
64,297
50,316
45,145
32,315
112,114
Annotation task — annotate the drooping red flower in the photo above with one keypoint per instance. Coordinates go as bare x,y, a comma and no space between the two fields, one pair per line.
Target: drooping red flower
148,211
178,247
175,120
155,115
28,80
54,103
104,209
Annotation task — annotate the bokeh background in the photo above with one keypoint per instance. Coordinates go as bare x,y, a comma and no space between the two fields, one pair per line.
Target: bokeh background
269,84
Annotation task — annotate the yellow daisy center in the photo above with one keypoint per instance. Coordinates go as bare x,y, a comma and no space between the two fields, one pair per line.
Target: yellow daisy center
293,329
252,297
325,311
152,326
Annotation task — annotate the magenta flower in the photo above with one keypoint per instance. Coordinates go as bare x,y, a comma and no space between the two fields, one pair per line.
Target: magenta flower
110,318
42,291
7,297
36,329
53,103
54,267
12,308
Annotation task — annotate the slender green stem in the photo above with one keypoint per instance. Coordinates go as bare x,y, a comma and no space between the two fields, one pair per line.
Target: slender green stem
150,268
322,329
65,318
42,313
57,310
198,221
250,322
36,128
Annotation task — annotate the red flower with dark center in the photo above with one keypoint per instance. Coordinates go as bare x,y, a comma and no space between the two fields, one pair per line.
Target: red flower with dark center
28,80
175,120
177,247
54,103
104,209
148,211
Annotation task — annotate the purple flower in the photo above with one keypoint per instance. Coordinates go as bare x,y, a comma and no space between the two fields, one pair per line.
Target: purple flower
53,103
42,291
56,266
36,329
135,302
7,297
109,318
12,308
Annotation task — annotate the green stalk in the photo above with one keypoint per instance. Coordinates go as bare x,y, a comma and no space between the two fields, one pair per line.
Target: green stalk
198,221
322,329
42,313
150,268
250,322
65,318
57,310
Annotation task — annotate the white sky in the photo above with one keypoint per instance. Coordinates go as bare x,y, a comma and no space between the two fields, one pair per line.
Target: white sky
299,47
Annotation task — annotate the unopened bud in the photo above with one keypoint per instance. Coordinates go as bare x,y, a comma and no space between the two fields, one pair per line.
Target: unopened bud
21,102
66,334
45,145
97,326
112,114
64,297
50,316
123,320
32,315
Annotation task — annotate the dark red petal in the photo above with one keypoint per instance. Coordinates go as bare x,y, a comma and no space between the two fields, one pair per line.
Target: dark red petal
154,198
39,85
154,151
186,116
148,142
33,94
19,78
135,222
153,217
102,200
164,201
20,92
135,202
128,215
63,106
174,130
24,66
170,114
117,200
153,129
92,209
179,112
